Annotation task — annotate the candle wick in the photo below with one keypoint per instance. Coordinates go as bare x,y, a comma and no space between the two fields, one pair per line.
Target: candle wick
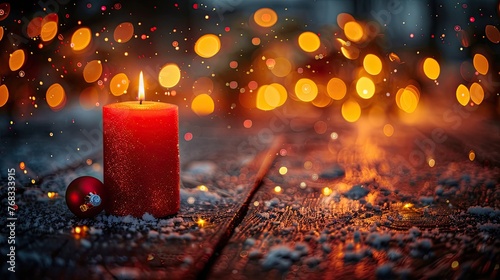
140,101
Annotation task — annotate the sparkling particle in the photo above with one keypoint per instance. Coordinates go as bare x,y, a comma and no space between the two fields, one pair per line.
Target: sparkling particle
277,189
283,170
188,136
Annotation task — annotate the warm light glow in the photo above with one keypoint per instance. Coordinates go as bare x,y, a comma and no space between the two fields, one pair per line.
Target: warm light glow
309,41
351,111
282,67
283,170
123,32
267,98
141,95
472,155
327,191
350,52
78,230
1,33
431,68
388,130
336,88
408,101
408,205
92,71
454,264
344,18
4,95
480,63
203,105
203,188
365,87
49,27
306,89
277,189
51,194
81,39
119,84
55,97
431,162
169,75
22,165
372,64
201,222
283,94
16,60
463,95
207,45
353,31
476,93
265,17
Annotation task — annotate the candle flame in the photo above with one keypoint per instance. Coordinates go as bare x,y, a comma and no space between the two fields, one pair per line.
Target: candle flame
141,88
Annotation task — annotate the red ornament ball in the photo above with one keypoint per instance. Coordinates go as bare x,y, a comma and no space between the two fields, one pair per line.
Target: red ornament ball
85,197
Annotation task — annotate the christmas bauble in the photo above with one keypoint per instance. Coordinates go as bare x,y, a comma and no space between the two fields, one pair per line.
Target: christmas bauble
85,197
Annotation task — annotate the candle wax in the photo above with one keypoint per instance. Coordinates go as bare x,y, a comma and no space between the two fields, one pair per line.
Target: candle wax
141,158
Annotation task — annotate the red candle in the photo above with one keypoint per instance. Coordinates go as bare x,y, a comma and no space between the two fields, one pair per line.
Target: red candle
141,157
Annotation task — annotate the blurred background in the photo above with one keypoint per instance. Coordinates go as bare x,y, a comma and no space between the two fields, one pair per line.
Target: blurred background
246,61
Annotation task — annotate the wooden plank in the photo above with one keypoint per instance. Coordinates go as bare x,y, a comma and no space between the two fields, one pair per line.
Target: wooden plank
403,220
178,247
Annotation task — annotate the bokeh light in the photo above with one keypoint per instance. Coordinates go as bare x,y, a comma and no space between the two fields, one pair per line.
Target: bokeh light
492,34
92,71
282,67
119,84
306,89
203,105
351,111
5,8
408,100
265,17
350,52
480,64
56,97
365,87
431,68
123,32
4,95
34,27
169,75
309,42
336,88
81,39
344,18
353,31
49,27
283,94
476,93
16,60
372,64
207,45
1,33
388,130
463,95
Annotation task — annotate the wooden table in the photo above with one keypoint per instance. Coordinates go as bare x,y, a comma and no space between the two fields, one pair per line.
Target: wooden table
350,203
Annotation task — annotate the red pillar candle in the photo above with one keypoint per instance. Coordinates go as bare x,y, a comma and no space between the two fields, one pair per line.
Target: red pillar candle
141,157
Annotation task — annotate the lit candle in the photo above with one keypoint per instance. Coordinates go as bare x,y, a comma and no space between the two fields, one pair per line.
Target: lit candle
141,157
